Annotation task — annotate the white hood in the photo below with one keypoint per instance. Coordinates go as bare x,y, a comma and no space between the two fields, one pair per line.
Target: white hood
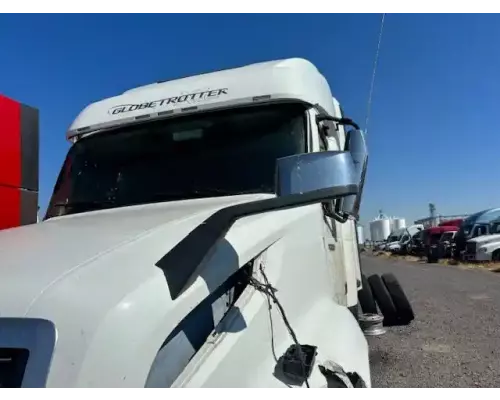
35,257
485,239
94,275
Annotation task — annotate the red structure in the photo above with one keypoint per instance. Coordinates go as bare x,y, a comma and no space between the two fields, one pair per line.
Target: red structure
435,232
19,141
452,222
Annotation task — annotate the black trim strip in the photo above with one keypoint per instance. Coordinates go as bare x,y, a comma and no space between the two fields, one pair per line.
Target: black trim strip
354,311
199,323
28,206
181,264
29,137
358,148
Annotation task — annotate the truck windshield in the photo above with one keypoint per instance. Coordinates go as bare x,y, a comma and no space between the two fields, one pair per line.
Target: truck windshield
495,228
447,236
480,230
467,229
434,238
217,153
393,238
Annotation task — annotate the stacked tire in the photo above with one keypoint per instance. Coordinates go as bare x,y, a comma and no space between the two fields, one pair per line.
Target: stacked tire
385,293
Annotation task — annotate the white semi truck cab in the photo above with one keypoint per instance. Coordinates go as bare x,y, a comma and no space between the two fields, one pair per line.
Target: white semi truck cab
201,233
485,247
470,235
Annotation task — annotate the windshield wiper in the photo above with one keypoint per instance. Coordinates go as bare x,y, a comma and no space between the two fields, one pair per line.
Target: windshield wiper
89,203
184,194
223,192
202,192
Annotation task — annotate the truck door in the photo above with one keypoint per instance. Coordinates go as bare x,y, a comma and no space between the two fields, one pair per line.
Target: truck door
341,250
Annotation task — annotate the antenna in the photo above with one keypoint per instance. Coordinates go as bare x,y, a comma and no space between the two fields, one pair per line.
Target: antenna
375,64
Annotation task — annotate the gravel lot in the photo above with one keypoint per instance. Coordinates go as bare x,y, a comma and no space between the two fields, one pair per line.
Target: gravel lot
454,340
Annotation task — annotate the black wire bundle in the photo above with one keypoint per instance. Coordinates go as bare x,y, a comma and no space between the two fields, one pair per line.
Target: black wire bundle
270,292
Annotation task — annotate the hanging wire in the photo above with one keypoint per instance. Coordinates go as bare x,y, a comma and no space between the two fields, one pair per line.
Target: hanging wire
370,94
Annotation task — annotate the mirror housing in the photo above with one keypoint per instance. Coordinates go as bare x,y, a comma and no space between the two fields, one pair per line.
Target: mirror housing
355,145
319,174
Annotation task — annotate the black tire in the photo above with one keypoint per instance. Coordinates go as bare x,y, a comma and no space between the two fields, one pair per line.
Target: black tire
431,256
384,300
365,297
403,306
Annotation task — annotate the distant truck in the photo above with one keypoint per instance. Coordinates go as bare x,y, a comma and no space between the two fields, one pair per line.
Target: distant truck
485,247
415,246
399,239
457,222
478,224
437,242
447,242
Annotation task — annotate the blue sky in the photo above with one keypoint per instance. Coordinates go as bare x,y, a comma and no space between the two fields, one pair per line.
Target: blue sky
433,131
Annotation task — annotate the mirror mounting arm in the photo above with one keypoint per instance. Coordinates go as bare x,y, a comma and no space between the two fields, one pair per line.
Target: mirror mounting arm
339,216
342,121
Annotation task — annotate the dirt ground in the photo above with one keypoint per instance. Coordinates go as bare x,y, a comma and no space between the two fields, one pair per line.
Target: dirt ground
490,266
454,340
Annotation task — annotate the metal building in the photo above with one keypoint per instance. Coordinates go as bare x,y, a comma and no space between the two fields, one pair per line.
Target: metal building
429,222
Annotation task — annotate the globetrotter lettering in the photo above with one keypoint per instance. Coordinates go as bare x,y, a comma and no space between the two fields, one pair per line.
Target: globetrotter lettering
185,98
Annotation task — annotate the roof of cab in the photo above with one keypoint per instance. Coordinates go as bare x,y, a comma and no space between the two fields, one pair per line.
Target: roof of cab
291,79
452,222
441,229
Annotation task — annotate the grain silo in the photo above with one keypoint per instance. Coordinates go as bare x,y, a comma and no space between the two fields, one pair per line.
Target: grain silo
398,223
380,228
360,234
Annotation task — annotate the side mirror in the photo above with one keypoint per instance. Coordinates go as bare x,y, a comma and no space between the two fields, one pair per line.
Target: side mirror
355,145
315,177
300,180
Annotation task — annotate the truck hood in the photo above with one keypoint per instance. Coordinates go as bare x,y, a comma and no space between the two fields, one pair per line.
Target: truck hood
35,257
392,245
485,239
